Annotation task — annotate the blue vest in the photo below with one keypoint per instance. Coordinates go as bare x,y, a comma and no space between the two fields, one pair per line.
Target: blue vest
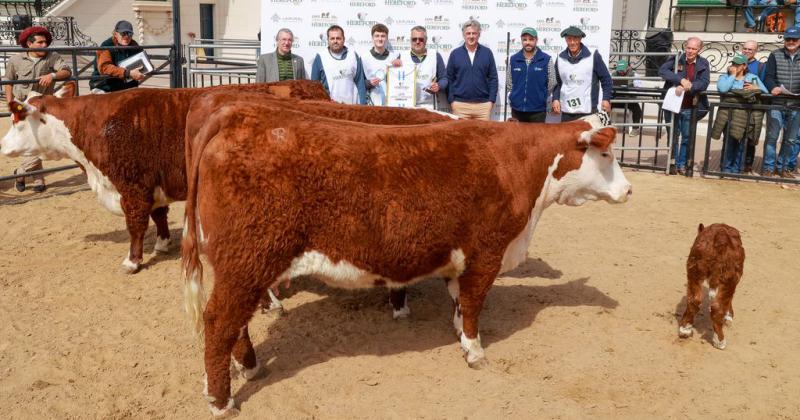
529,82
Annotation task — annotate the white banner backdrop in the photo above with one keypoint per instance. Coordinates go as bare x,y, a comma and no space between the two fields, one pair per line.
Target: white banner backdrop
309,20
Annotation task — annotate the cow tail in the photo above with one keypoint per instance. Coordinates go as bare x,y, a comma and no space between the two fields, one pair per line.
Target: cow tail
194,295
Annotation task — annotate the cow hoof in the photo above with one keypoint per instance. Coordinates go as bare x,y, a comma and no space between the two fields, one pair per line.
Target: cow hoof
162,245
226,412
685,332
248,374
403,312
477,364
717,343
728,319
129,267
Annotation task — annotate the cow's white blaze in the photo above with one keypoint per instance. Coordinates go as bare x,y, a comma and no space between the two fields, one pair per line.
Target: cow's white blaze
345,275
598,178
517,250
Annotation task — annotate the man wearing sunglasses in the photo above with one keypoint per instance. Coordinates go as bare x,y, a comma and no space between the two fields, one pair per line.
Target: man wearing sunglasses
105,64
431,75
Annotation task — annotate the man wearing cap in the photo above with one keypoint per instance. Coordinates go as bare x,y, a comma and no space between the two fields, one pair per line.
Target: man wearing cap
281,64
783,66
690,76
579,75
531,81
340,71
472,74
106,63
41,69
743,125
622,69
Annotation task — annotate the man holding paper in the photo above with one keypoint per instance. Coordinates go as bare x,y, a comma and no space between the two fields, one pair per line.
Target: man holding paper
690,75
783,66
431,76
107,62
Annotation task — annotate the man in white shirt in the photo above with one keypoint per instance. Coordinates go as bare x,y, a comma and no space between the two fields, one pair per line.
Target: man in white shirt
375,62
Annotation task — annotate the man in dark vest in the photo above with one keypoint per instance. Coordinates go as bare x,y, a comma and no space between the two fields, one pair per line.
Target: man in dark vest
531,80
106,63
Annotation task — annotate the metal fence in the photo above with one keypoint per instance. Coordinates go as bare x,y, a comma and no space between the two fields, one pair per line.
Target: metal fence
216,62
734,23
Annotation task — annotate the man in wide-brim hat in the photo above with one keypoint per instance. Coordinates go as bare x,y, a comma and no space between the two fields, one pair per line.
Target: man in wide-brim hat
579,74
40,70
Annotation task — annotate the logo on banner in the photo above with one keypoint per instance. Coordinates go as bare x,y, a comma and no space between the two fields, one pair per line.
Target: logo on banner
509,25
321,41
512,4
513,47
550,45
588,27
403,3
435,42
437,23
361,20
438,2
294,2
474,5
586,6
362,3
286,19
552,3
324,20
400,43
550,24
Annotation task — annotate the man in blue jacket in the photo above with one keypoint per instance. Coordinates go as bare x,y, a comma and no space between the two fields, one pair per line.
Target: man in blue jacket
579,75
690,76
531,80
472,74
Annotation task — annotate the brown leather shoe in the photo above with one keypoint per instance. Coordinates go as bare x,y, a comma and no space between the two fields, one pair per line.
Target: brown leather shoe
786,174
681,171
768,174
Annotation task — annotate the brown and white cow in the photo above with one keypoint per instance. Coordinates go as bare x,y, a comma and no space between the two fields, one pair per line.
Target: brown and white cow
359,205
131,143
717,255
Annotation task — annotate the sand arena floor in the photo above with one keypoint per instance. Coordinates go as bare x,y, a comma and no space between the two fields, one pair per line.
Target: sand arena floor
585,328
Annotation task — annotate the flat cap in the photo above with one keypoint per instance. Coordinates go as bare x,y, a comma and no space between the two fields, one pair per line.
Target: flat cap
573,31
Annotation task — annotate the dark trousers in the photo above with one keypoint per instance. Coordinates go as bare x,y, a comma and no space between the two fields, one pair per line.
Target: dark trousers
635,109
571,117
528,117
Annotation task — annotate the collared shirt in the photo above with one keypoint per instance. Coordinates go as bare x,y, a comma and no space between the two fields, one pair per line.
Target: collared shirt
23,67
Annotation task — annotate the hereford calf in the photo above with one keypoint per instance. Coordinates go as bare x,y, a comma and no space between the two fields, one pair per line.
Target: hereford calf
717,256
275,194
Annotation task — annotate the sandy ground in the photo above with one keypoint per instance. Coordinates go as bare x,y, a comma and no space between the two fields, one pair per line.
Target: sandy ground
585,328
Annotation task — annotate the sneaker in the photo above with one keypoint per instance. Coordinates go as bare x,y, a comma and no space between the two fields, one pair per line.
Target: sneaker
19,183
39,188
634,131
748,169
672,170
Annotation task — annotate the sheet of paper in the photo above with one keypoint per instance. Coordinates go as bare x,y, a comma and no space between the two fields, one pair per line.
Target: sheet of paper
673,102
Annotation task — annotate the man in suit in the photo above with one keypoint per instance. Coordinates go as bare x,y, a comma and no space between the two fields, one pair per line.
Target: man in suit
281,64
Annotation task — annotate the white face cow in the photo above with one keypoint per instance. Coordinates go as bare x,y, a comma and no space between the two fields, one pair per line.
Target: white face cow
599,176
35,133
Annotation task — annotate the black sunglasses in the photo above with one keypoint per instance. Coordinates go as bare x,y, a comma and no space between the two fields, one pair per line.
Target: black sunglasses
418,39
126,33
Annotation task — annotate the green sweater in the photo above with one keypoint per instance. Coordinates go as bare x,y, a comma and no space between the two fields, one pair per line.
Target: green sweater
285,66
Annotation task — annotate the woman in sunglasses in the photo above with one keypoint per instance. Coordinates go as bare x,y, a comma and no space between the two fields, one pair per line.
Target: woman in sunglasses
108,76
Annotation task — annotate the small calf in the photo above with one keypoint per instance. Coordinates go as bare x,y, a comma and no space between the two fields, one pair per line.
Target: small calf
718,256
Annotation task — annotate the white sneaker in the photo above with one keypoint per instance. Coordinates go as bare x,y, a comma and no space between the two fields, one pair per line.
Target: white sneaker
634,131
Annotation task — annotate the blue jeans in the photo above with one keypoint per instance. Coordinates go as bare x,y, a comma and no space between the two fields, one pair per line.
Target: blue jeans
732,156
749,21
682,124
789,122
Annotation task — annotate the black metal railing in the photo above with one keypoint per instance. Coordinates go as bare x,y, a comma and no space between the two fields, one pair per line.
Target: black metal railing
26,7
63,28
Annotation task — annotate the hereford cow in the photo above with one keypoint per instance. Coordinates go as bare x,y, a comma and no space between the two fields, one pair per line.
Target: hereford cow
131,145
717,256
359,205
